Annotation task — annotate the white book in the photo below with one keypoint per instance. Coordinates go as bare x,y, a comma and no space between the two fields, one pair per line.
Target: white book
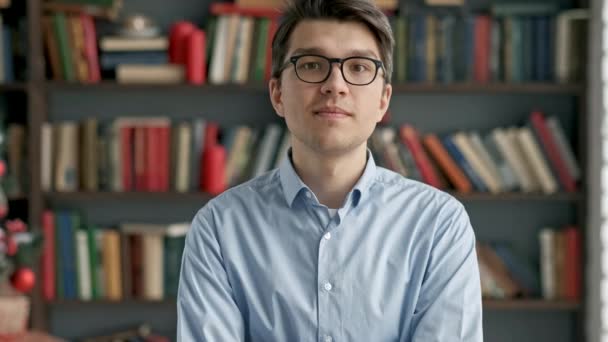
153,266
240,68
218,58
124,44
509,180
547,264
484,155
46,156
566,59
535,159
514,140
565,150
268,146
462,142
150,74
505,146
84,266
183,154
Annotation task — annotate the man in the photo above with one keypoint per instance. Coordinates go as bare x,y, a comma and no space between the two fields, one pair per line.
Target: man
330,247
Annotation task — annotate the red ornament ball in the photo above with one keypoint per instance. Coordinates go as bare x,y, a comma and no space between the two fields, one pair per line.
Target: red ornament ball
23,279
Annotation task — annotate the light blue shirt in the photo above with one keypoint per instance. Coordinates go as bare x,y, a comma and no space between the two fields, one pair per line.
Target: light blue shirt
265,261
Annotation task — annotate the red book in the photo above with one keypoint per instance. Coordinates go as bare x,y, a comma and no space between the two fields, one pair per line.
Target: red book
196,60
126,149
572,263
48,255
549,146
153,159
214,172
178,38
409,137
164,133
483,27
141,176
90,47
228,8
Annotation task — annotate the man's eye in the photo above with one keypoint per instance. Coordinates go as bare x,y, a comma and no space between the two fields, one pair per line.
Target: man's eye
311,66
359,68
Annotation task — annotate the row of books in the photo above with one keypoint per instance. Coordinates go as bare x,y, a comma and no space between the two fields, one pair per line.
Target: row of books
484,48
505,273
152,154
85,262
141,260
529,44
534,158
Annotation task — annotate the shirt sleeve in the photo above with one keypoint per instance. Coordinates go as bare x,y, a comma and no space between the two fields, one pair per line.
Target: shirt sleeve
449,306
206,309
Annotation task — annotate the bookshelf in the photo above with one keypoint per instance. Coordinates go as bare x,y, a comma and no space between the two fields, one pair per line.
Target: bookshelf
431,107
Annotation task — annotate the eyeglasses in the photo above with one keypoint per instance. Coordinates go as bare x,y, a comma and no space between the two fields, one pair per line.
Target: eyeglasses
358,71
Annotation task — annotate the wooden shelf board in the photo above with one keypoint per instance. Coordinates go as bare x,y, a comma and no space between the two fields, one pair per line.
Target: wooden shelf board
488,304
398,88
13,87
531,304
92,196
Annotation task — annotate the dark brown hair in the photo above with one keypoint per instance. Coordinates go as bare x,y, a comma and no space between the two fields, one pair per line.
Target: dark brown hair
362,11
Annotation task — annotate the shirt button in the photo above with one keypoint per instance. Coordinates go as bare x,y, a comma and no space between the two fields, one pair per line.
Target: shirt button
328,338
328,287
327,236
308,195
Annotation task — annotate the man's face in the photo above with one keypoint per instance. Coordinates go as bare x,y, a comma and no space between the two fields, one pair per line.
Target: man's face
333,117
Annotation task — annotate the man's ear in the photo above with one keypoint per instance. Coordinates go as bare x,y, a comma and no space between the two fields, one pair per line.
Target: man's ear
385,100
274,88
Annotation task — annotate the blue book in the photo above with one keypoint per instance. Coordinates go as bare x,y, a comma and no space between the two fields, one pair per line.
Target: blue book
522,272
469,48
417,67
517,47
445,64
542,48
9,70
68,256
111,60
464,164
528,48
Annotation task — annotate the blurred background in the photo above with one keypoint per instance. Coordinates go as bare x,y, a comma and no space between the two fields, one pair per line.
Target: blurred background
119,119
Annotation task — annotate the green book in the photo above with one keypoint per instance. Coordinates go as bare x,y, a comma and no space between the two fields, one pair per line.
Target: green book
400,60
92,244
76,222
63,40
259,66
210,36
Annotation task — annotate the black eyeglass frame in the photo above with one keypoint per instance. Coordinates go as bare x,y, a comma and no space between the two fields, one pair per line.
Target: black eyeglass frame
294,59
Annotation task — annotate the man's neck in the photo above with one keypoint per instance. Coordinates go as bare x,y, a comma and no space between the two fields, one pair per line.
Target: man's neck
329,177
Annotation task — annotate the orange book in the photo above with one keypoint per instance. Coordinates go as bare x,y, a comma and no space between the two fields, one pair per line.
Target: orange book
410,138
447,164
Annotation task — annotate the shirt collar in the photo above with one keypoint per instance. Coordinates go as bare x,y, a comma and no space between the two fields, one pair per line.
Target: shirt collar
293,184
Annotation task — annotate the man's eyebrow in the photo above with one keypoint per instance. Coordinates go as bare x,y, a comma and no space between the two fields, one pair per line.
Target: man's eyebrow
317,51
